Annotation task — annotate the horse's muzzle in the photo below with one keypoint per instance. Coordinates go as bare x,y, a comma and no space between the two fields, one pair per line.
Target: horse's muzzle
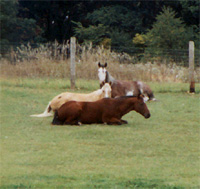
147,116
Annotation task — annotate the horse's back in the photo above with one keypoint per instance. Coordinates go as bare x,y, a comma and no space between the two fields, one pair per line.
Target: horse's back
84,112
124,88
69,109
62,98
92,111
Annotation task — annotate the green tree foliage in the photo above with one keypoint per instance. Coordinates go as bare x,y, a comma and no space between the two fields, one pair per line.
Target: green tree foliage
96,34
116,16
168,32
114,22
171,29
139,40
190,12
168,36
14,29
8,22
121,41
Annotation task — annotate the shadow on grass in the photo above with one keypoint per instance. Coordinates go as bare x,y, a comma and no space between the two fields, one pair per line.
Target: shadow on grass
136,183
104,183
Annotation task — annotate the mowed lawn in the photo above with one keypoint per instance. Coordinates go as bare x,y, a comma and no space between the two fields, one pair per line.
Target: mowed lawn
160,152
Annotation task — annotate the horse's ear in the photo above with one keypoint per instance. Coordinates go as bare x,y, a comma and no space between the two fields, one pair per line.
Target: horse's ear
103,83
110,83
105,65
99,64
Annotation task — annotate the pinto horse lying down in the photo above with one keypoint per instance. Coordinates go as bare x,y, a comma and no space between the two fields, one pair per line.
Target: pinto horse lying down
59,100
107,111
123,87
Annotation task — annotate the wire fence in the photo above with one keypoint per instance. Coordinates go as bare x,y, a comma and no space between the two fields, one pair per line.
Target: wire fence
19,52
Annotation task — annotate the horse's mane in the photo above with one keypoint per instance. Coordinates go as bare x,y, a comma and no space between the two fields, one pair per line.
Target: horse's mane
109,78
122,97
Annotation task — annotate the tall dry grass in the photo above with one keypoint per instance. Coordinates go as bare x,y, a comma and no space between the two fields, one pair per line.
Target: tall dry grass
41,62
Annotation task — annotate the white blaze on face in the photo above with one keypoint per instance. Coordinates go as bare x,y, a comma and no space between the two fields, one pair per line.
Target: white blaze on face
102,74
107,90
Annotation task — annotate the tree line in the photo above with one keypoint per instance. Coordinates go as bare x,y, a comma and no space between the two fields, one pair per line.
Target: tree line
124,26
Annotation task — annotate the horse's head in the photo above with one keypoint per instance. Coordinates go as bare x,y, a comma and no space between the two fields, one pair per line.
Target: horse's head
141,107
102,72
106,90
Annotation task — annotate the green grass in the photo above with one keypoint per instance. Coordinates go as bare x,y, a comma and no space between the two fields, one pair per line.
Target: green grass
160,152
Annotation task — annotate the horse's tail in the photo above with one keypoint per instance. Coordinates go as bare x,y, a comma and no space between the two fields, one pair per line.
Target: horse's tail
152,97
150,94
146,90
47,112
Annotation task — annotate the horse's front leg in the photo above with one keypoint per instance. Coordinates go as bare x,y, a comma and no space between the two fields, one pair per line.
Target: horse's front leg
112,121
124,121
72,122
56,122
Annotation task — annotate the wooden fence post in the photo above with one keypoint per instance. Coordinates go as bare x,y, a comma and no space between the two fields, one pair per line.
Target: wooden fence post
191,67
72,60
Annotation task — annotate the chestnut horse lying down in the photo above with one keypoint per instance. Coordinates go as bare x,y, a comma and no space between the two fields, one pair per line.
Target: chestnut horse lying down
59,100
106,110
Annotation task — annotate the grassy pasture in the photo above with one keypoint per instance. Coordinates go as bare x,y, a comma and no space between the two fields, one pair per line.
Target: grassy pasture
160,152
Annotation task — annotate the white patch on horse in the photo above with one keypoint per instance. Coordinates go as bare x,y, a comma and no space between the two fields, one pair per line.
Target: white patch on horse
107,90
106,93
140,84
102,74
129,93
146,99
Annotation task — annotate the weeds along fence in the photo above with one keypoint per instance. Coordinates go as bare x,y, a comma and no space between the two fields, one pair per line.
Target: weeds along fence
53,60
56,51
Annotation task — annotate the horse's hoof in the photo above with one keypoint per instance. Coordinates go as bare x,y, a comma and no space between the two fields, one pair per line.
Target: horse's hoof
124,122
